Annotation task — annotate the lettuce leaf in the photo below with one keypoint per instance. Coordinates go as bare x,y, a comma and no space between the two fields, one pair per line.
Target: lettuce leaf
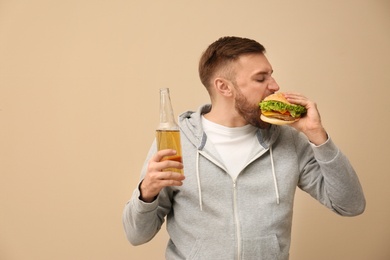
272,105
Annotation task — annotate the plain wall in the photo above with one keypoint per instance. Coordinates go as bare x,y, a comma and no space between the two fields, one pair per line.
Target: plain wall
79,85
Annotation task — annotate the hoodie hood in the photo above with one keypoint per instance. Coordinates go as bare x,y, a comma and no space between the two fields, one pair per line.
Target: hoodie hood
191,127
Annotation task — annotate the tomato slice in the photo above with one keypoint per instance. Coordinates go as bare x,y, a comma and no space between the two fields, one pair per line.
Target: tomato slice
286,112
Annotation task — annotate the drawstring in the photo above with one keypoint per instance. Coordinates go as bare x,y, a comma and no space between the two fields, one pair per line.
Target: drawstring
274,175
198,178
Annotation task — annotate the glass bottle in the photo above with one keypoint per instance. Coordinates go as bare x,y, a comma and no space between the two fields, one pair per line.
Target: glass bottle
167,132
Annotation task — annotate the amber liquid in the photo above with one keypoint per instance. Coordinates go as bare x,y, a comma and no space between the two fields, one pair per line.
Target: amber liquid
170,139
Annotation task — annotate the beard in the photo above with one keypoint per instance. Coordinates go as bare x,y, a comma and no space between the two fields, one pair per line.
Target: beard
250,112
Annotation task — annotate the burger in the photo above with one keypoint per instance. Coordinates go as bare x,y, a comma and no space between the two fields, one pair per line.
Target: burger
275,109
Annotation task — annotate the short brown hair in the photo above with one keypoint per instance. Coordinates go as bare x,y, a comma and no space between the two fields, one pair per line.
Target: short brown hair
222,52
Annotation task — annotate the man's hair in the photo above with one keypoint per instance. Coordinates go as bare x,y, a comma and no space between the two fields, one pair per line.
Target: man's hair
222,52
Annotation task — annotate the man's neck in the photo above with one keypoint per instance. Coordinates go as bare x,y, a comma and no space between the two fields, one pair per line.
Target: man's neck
224,117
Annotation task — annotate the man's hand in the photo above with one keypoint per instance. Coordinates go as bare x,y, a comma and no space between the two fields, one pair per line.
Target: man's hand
156,179
310,124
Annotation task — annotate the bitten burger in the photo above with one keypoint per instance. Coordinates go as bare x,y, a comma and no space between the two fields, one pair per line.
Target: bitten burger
275,109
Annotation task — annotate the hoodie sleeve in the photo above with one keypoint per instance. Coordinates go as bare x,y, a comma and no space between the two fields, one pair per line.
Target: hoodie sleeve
328,176
141,220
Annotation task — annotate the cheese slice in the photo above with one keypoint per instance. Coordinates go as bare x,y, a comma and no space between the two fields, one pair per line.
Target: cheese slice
269,113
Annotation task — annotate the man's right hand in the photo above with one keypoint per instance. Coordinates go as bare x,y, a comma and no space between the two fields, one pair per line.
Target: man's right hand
156,179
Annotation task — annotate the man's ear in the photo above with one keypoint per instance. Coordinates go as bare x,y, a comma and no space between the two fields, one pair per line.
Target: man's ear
223,87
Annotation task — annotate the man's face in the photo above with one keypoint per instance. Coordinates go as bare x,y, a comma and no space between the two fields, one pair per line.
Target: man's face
253,83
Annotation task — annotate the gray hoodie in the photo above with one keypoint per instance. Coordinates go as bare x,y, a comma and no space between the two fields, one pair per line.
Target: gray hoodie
213,216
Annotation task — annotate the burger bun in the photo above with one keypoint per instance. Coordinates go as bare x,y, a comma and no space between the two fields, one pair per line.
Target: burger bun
277,97
276,121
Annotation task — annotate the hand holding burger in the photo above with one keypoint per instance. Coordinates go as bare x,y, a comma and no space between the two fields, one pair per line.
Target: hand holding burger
289,108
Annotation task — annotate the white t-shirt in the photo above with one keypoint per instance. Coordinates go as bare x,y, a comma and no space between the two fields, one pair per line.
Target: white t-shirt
234,144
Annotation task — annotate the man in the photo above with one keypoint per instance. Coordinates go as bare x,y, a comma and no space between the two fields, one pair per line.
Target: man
235,200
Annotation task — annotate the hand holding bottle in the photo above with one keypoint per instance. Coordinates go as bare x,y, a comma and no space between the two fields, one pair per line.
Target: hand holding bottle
165,168
157,177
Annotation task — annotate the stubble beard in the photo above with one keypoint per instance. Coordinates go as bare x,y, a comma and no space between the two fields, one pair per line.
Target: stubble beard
250,112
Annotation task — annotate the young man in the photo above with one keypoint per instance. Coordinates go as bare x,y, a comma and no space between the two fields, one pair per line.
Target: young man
235,200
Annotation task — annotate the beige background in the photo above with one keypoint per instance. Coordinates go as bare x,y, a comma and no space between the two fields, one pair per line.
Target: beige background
79,84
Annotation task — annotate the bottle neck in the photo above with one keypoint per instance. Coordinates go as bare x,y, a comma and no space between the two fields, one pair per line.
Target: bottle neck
167,118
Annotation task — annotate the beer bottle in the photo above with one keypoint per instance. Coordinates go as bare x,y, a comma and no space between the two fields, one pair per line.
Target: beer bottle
167,132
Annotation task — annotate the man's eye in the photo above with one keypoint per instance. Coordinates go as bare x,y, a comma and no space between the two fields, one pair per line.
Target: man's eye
260,80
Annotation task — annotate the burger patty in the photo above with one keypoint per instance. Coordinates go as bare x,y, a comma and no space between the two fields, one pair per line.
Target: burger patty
283,117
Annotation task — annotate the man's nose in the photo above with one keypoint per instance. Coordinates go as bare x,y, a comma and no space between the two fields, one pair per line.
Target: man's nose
273,85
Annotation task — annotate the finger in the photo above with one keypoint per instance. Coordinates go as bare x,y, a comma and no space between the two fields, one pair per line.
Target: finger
164,179
293,95
162,153
157,168
169,175
165,164
167,183
171,164
161,171
297,99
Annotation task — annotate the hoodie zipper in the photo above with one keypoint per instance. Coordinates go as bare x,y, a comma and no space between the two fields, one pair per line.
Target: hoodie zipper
235,209
236,218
